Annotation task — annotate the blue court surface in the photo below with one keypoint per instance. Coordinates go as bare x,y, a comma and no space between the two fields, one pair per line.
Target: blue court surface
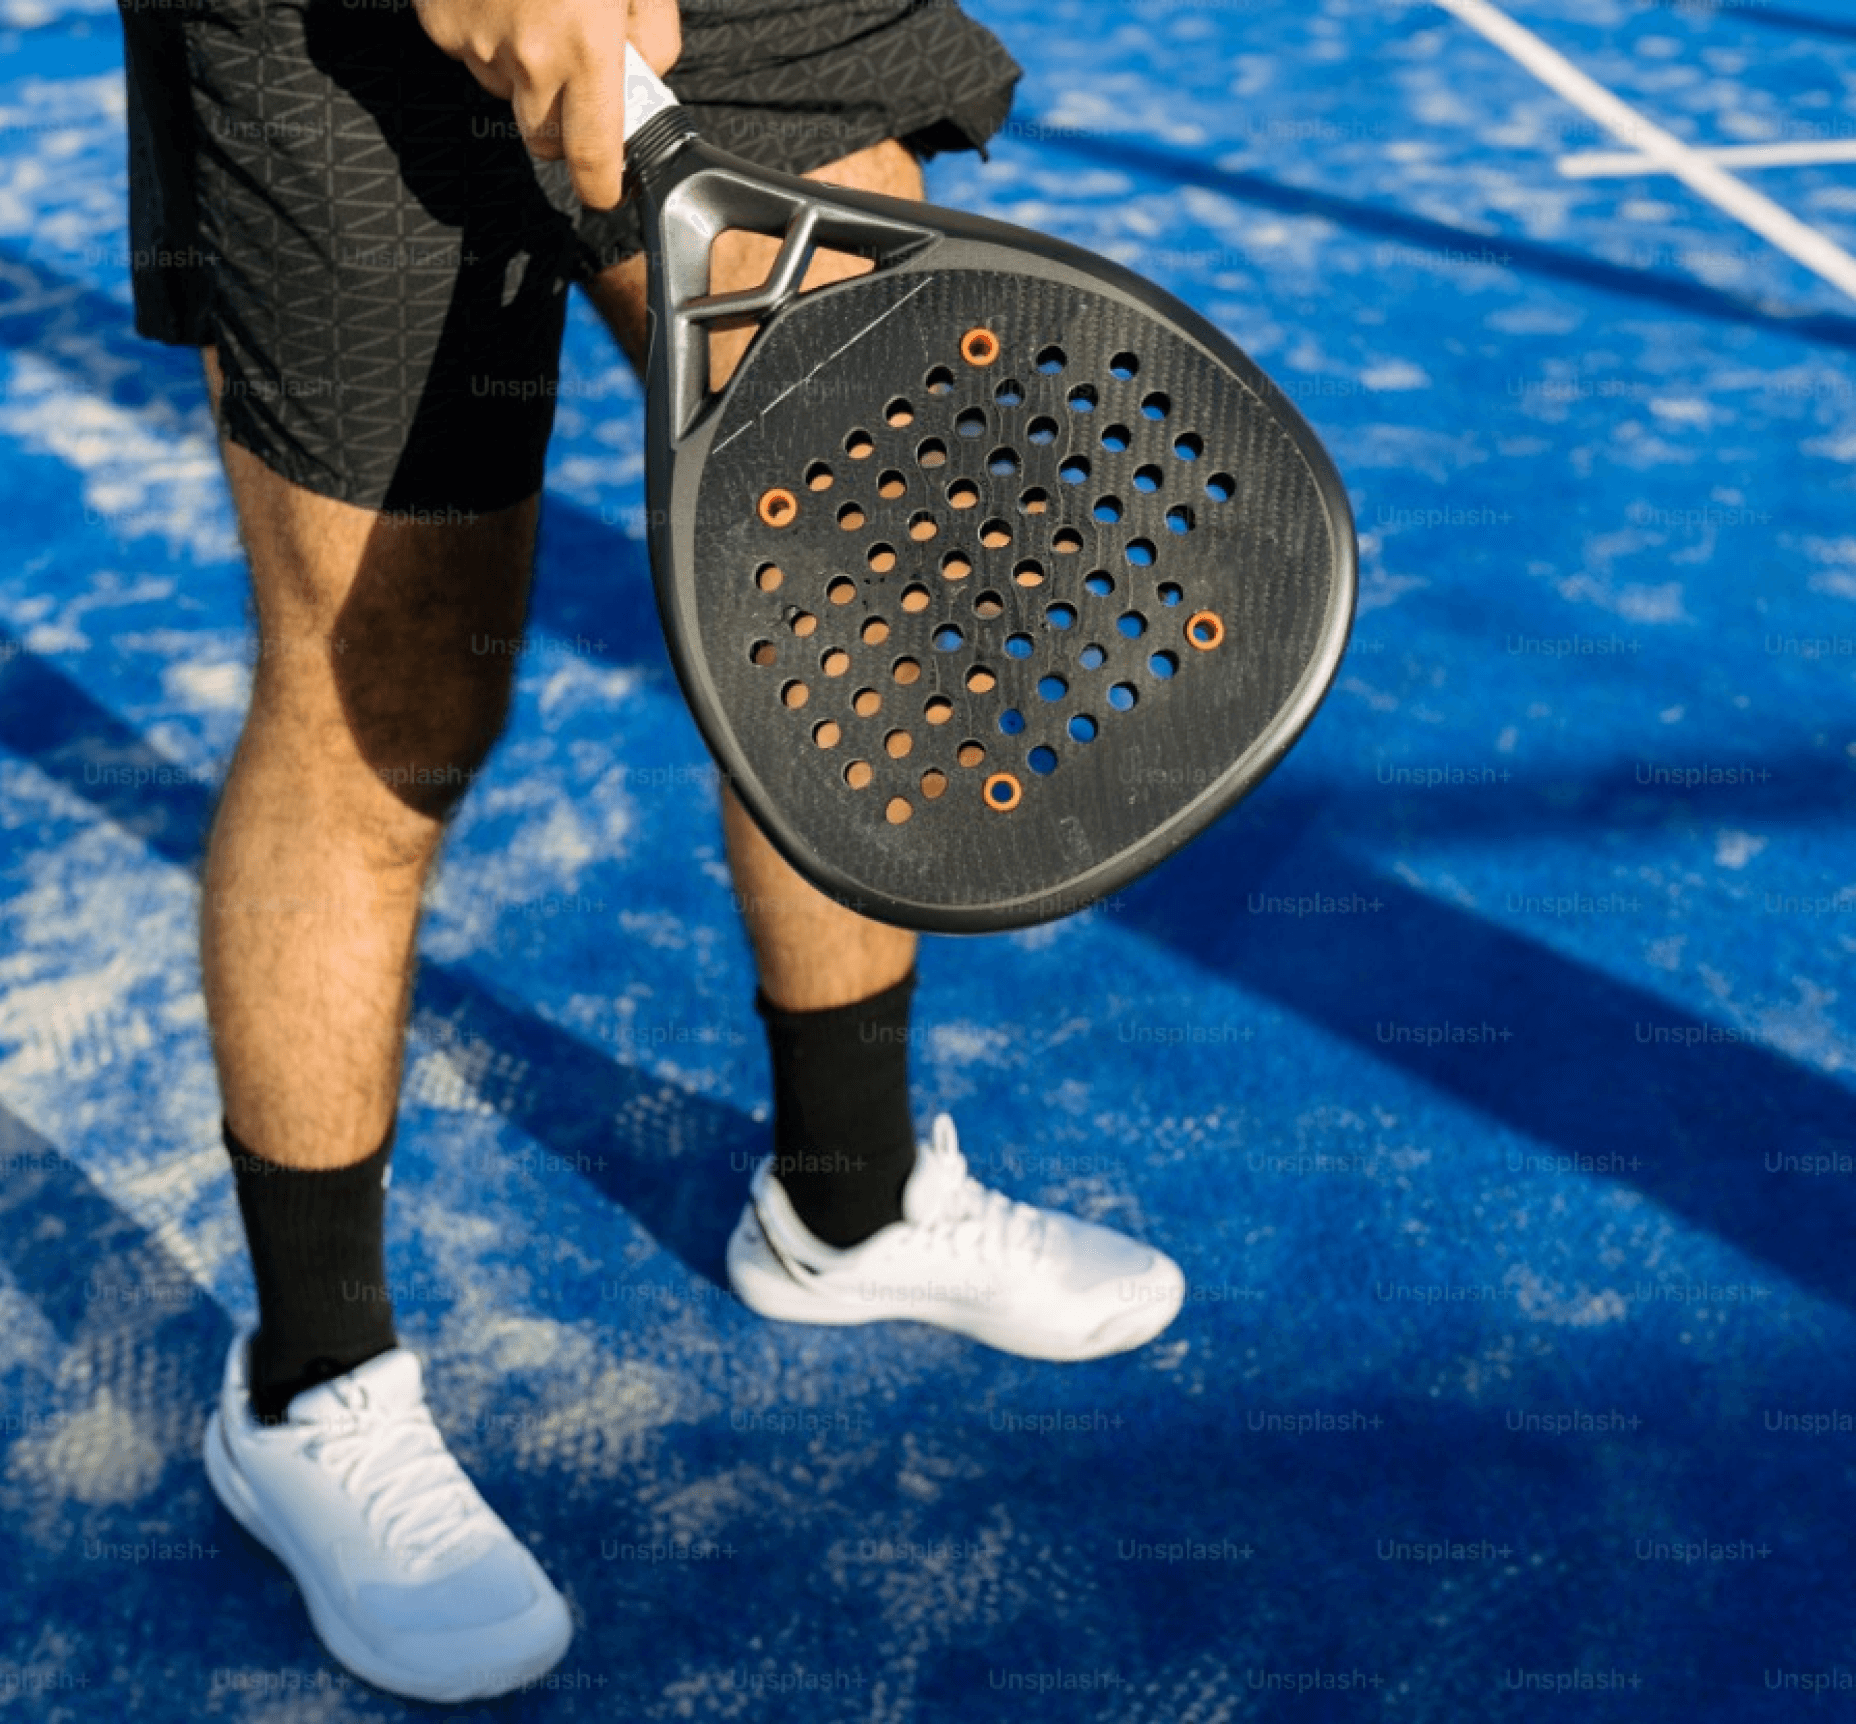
1489,1070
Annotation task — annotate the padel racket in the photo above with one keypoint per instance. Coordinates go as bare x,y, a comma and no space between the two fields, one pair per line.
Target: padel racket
993,575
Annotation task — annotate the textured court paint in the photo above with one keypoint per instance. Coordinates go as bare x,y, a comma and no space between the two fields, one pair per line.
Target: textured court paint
1667,414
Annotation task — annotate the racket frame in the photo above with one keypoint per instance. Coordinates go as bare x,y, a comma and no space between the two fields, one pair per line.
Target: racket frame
689,192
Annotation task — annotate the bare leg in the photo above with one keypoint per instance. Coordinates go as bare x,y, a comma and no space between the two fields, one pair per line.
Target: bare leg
378,674
371,707
812,952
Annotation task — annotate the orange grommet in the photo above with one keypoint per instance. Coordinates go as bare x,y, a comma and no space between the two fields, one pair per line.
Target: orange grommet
1205,630
778,507
1002,792
979,347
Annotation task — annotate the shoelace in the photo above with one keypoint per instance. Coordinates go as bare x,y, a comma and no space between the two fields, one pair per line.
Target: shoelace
416,1499
999,1225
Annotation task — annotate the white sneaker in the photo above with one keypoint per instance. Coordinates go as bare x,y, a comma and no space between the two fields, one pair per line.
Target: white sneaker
1025,1280
411,1578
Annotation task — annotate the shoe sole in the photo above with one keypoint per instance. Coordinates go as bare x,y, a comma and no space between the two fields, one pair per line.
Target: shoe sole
239,1501
762,1284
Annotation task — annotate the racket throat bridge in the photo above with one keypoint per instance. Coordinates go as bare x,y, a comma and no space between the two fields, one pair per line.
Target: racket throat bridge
701,198
752,305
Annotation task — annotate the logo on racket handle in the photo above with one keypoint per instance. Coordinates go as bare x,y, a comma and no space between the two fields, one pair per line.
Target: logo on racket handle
646,95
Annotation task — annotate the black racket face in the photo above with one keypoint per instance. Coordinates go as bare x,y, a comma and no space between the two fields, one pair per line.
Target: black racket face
1002,586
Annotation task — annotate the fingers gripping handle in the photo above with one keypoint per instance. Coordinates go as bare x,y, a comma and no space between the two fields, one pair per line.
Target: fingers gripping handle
646,94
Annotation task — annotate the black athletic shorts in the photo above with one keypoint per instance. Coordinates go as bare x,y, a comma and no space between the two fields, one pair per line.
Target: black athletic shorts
353,222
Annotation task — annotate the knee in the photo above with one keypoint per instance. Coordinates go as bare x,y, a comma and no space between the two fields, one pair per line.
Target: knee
425,724
423,654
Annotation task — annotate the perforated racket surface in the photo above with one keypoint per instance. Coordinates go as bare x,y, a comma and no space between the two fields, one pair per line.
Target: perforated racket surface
994,575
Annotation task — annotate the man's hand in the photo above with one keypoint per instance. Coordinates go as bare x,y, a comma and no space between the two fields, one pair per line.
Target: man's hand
562,64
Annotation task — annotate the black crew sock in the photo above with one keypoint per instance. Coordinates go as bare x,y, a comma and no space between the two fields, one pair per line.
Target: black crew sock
843,1138
318,1255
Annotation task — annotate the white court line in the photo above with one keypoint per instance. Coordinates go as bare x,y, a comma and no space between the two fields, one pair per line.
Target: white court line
1779,227
1618,164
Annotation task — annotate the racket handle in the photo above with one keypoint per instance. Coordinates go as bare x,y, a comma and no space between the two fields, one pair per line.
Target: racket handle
646,94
